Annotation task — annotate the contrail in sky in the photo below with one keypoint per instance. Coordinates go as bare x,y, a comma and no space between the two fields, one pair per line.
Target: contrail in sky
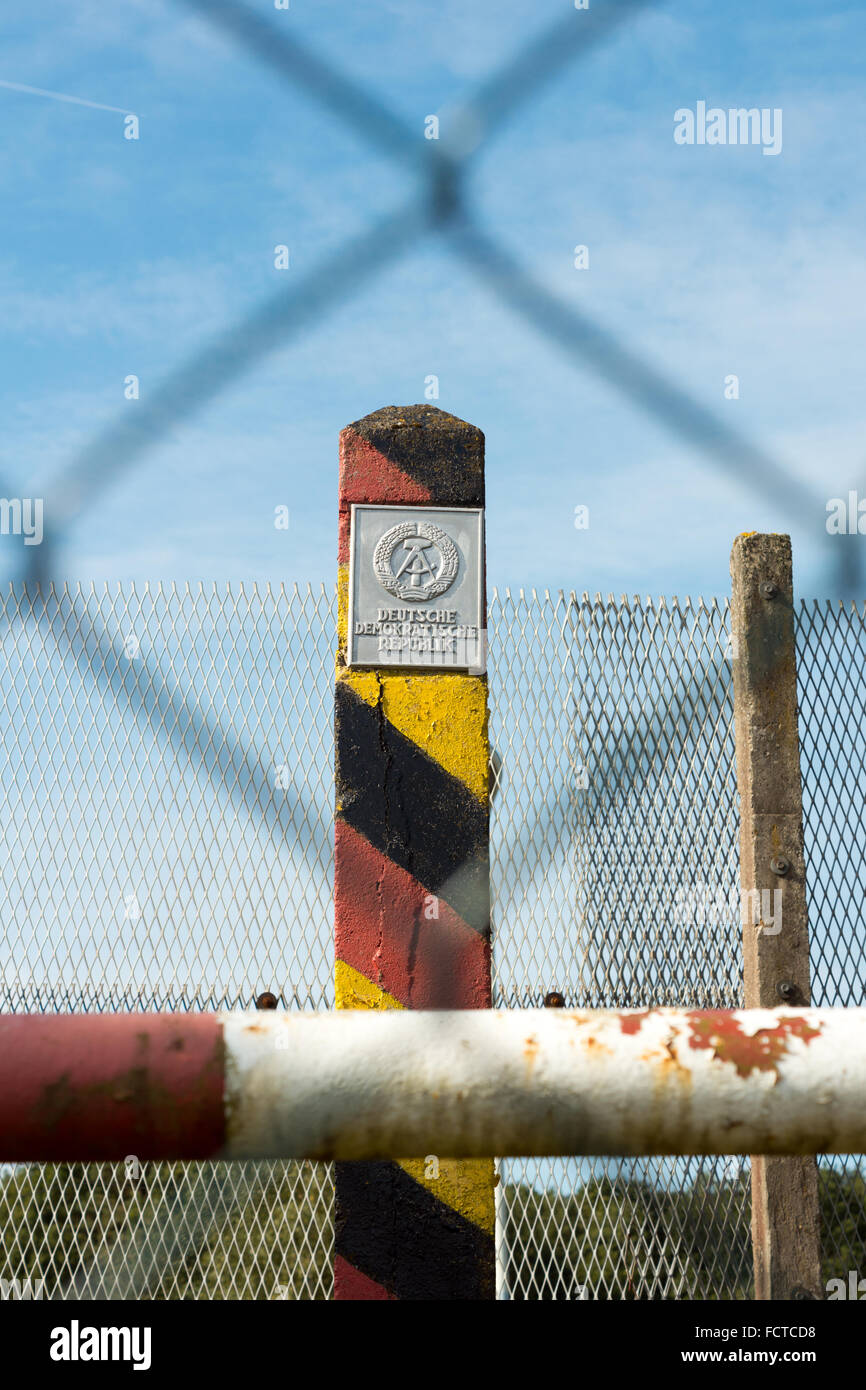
62,96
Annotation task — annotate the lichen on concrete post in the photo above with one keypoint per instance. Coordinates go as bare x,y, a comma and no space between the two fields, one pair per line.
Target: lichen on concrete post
411,892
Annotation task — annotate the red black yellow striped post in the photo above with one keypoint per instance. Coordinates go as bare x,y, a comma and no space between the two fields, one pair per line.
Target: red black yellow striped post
412,910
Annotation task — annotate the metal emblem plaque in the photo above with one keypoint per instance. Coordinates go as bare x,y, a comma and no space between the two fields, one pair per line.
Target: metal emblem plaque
416,586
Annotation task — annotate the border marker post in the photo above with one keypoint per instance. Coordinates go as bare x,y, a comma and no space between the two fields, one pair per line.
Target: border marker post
412,909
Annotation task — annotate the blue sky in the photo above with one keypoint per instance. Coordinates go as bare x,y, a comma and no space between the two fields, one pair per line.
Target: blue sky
123,257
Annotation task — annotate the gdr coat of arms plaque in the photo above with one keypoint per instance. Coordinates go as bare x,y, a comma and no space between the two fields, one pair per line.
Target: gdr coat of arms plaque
416,587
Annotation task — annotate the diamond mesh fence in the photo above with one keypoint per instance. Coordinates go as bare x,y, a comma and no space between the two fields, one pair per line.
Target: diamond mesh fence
616,823
167,810
831,667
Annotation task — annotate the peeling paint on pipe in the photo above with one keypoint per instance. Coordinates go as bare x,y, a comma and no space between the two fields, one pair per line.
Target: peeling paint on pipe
357,1085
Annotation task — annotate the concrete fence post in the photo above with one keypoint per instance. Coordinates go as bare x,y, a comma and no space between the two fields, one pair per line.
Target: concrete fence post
412,910
785,1217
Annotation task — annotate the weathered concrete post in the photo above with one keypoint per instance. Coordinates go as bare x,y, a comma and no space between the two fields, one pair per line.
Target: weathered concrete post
785,1219
412,910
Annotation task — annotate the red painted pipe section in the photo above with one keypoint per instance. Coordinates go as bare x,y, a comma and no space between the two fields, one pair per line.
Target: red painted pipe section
151,1085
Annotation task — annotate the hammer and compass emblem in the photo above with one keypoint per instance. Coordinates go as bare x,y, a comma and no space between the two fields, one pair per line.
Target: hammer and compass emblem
416,561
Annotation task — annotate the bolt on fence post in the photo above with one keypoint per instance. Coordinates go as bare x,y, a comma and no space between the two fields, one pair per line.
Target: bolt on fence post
411,875
785,1213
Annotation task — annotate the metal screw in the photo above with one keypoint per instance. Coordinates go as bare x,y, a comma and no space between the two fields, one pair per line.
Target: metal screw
266,1000
768,589
786,989
554,1000
780,865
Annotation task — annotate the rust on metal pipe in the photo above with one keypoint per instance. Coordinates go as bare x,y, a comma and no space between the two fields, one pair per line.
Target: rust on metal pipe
355,1084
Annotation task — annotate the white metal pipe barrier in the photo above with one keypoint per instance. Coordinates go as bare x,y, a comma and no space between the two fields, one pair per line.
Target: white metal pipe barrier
359,1085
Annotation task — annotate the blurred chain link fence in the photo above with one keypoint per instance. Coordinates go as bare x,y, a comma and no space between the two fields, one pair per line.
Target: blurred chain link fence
445,171
168,817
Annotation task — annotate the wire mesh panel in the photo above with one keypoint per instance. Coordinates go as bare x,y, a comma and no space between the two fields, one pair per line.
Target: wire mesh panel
168,811
169,806
169,795
831,667
615,883
143,1231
